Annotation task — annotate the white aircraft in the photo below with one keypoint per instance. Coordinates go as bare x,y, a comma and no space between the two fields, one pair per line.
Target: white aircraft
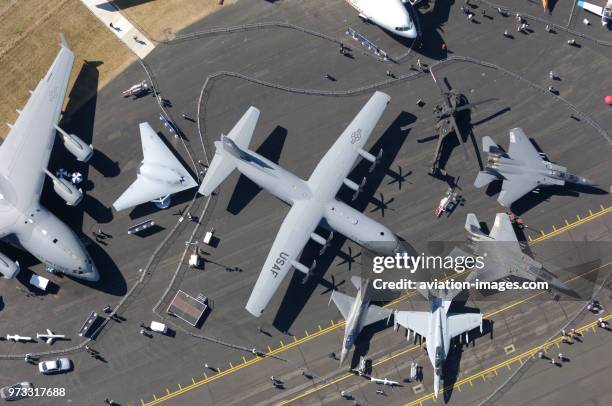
388,14
438,327
604,12
50,337
313,201
384,381
159,176
17,338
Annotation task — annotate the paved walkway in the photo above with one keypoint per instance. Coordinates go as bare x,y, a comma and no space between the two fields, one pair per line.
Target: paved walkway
112,18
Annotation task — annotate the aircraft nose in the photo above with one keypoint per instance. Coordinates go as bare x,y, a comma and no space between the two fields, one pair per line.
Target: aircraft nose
92,274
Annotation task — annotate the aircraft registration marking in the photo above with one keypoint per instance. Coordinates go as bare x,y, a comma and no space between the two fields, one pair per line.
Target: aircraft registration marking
279,262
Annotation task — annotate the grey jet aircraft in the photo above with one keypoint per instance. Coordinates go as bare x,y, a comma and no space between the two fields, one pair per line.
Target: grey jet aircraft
503,255
24,156
522,169
358,313
437,327
312,201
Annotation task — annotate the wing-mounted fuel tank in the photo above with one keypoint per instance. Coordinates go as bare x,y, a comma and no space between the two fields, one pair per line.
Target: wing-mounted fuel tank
8,268
66,190
76,146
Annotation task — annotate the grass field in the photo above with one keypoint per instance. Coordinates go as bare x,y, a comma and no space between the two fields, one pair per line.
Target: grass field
30,32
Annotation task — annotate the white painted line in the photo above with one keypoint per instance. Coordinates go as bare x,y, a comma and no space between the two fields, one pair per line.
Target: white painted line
112,18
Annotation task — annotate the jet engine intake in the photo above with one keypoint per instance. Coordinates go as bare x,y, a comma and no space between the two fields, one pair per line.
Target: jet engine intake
76,146
66,190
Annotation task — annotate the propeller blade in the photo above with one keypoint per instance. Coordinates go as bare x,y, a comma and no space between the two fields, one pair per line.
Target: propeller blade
459,137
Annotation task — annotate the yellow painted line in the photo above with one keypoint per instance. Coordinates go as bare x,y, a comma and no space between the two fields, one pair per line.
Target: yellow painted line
154,397
142,401
519,358
576,223
334,326
192,380
485,316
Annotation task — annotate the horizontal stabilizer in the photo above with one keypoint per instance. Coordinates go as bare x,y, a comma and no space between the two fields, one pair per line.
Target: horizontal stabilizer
220,168
243,131
222,164
484,178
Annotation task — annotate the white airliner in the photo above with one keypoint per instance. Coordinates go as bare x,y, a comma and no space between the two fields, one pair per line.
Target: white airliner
388,14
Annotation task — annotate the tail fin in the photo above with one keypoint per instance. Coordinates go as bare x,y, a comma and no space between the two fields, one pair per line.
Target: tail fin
472,225
484,178
222,165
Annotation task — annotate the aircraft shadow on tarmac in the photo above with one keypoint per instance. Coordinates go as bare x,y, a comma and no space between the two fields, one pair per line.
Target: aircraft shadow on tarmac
362,345
78,119
532,199
246,190
430,42
298,293
452,363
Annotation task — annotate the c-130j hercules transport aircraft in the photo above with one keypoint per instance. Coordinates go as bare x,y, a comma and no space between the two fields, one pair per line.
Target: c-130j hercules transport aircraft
313,201
24,156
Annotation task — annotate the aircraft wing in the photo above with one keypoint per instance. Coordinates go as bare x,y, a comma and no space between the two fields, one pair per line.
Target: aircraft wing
375,314
415,321
514,187
521,149
457,324
591,7
343,303
339,159
153,185
502,229
292,236
25,152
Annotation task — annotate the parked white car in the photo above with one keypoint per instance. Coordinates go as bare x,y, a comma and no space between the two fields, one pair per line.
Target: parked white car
55,366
